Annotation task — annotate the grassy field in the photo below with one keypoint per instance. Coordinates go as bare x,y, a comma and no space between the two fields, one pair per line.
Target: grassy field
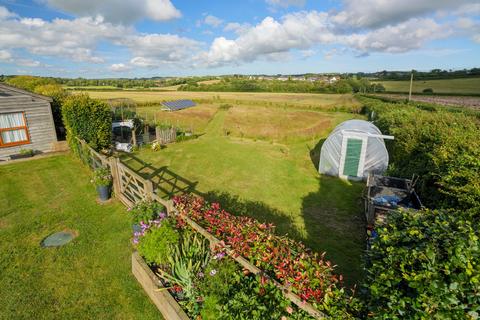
196,118
458,86
274,182
300,100
89,278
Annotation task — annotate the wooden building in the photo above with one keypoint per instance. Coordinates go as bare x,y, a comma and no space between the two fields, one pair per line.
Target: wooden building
26,122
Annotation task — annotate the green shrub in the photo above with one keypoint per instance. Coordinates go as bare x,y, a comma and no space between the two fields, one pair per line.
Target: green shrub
425,265
27,152
157,243
87,119
441,146
102,177
145,211
427,90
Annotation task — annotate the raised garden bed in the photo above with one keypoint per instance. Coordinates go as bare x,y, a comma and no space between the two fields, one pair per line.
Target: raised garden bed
154,288
188,271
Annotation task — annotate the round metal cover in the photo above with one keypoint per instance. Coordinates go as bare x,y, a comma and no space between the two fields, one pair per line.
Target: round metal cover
57,239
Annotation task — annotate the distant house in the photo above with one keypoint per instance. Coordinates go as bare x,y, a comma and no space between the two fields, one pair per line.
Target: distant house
26,122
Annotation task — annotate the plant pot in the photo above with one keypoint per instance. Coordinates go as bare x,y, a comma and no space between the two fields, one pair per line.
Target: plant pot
103,192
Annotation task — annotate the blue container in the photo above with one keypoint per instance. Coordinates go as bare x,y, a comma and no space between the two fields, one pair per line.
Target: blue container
103,192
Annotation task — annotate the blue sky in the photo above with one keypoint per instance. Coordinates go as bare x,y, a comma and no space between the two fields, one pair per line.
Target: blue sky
143,38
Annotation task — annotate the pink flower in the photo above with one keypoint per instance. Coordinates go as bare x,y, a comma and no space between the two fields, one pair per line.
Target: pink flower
289,310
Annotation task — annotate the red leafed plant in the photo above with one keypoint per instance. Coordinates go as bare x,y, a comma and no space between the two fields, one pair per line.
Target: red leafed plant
306,273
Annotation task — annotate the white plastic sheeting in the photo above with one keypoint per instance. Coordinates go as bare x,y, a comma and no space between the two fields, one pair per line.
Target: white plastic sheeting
337,158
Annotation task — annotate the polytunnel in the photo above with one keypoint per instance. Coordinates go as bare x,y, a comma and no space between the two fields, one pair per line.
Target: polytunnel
353,150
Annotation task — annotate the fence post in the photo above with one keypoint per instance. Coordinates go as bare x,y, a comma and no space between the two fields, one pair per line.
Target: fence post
157,133
115,176
149,189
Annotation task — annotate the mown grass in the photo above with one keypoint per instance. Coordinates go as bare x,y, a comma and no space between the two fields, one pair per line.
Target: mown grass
458,86
273,182
89,278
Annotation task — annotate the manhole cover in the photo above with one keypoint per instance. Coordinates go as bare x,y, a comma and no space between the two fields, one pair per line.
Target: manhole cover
57,239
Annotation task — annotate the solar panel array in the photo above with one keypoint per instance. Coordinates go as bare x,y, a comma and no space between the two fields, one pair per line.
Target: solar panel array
178,104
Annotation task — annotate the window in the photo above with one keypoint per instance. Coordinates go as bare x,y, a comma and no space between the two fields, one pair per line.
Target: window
13,129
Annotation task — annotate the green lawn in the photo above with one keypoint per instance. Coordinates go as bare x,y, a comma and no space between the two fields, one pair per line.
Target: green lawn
90,277
269,181
459,86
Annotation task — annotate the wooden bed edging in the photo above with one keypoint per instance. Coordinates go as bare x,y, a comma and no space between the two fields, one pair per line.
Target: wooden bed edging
151,284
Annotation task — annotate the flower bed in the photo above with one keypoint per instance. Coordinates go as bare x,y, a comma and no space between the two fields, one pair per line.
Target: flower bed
206,282
305,273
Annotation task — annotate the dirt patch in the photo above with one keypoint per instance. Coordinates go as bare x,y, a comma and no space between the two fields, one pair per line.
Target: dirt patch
3,224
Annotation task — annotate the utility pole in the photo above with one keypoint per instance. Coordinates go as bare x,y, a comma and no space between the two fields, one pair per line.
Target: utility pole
411,84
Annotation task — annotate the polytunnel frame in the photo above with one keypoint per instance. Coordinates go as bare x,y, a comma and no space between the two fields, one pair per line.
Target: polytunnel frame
364,137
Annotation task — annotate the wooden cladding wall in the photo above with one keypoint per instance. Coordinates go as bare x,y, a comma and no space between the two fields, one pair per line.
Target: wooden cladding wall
39,121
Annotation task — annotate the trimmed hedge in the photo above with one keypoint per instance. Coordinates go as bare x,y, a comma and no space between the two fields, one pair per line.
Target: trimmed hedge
440,146
88,119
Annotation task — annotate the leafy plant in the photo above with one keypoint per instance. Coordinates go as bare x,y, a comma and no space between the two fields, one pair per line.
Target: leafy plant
87,119
157,240
146,210
187,258
27,152
102,177
308,274
425,265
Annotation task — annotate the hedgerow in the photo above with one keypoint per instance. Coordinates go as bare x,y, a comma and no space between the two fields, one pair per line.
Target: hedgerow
88,119
425,265
440,146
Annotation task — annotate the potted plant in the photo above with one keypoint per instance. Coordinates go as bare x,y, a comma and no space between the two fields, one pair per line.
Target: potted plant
145,211
103,181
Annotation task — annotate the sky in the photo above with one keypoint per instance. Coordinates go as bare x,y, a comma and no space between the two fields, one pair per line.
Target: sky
145,38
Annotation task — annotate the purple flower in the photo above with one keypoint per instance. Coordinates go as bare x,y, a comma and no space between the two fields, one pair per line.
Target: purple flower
201,274
213,272
219,256
162,215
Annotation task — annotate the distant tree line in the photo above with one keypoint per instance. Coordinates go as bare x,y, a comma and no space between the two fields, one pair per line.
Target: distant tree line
434,74
242,84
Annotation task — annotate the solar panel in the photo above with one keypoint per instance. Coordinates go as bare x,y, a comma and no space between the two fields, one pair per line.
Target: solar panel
179,104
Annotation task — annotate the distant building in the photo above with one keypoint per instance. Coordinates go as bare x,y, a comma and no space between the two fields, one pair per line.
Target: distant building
26,122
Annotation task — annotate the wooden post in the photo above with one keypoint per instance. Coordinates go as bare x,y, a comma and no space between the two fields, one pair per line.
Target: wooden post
157,134
115,175
134,136
411,84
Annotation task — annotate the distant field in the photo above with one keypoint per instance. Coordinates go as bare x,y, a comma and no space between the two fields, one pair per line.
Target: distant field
328,102
458,86
279,124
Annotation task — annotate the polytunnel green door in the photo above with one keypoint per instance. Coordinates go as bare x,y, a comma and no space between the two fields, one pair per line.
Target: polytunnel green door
352,157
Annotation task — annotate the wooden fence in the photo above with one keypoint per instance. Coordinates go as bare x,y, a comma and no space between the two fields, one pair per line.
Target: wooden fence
165,136
129,187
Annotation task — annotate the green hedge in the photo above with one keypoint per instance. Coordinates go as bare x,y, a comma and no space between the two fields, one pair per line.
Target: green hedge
425,265
441,146
87,119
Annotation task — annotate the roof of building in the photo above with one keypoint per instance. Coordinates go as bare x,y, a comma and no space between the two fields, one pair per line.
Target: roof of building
9,91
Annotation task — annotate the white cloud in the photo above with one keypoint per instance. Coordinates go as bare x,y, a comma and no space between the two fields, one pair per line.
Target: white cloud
307,53
402,37
285,3
73,39
5,56
120,67
155,50
237,28
4,13
378,13
212,21
124,11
